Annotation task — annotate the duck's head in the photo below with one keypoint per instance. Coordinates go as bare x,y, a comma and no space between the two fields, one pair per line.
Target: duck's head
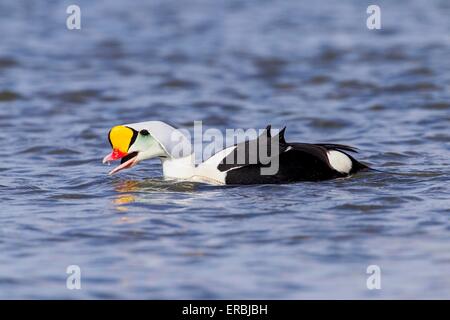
132,143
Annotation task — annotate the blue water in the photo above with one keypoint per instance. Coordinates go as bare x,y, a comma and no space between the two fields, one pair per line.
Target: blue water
312,66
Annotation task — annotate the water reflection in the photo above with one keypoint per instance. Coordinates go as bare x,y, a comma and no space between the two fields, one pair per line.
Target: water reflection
157,192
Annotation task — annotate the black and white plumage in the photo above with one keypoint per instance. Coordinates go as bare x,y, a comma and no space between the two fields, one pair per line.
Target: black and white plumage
243,163
297,161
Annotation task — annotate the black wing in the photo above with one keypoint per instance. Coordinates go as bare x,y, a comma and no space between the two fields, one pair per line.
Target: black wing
250,152
296,161
338,147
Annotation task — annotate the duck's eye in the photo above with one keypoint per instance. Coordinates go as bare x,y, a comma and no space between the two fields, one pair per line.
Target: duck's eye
144,132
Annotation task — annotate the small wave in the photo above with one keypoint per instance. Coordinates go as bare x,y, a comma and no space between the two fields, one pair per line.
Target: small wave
421,71
356,84
319,79
269,67
72,196
362,207
328,123
7,95
78,96
8,63
437,106
377,107
110,49
330,55
178,84
49,150
73,163
420,86
440,137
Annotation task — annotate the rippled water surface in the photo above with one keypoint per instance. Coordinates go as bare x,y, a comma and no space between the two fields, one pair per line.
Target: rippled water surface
310,65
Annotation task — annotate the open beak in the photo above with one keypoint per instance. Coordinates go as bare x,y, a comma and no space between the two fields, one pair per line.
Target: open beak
128,160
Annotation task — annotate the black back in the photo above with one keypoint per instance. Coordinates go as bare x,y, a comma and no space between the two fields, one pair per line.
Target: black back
297,161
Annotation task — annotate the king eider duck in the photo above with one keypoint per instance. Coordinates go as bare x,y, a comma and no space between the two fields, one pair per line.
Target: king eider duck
242,163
